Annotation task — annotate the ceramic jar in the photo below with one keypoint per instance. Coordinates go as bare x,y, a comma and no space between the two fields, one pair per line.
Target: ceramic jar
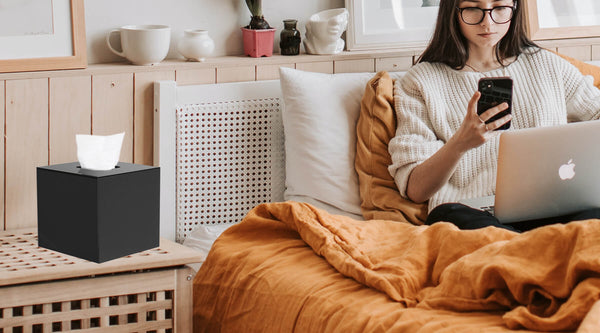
196,45
289,38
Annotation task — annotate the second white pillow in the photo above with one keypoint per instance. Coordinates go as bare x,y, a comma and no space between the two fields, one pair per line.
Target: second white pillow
319,121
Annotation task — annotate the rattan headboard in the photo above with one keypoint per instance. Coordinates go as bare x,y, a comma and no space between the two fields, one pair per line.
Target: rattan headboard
220,149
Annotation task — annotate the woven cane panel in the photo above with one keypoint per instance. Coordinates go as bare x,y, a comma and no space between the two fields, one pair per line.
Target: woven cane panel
230,158
150,311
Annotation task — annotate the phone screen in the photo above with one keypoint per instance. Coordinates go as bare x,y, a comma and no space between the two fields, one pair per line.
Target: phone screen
494,91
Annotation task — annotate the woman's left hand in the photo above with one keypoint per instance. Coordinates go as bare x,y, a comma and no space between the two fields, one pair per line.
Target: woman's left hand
474,131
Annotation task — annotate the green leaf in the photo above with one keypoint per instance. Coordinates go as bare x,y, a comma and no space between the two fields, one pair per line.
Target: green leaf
255,7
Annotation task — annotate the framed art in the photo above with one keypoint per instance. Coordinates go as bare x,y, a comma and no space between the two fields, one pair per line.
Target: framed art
41,35
381,24
556,19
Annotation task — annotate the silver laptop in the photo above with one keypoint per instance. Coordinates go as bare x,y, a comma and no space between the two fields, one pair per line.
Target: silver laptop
545,172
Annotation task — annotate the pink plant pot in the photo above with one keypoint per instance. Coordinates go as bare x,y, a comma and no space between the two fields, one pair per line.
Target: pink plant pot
258,43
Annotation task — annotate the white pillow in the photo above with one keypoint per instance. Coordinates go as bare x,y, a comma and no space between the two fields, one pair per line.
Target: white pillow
319,121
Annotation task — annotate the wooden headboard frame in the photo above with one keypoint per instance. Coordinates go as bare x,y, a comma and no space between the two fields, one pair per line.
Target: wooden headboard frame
220,149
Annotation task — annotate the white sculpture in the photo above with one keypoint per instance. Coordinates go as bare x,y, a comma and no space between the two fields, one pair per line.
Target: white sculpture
323,31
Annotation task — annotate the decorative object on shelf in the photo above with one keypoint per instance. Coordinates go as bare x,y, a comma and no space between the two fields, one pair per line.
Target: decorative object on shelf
258,36
142,44
59,44
196,45
401,24
324,31
290,38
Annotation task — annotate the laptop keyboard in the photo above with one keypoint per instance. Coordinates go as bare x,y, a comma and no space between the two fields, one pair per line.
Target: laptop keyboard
489,209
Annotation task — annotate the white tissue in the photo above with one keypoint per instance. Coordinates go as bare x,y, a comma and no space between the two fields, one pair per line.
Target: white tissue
97,152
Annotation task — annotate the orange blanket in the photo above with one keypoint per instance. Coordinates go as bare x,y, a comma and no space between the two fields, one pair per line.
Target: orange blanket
545,280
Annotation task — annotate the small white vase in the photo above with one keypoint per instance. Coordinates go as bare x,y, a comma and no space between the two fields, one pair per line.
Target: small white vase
196,45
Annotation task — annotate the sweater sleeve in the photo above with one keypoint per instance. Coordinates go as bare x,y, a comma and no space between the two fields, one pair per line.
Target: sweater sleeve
582,97
415,140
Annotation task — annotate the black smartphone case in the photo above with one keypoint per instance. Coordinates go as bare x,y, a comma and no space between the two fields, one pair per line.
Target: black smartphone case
494,91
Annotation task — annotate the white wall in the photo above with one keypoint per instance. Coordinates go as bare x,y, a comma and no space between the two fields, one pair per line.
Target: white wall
222,18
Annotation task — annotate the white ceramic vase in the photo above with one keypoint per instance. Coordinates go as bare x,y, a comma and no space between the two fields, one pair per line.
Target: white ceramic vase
196,45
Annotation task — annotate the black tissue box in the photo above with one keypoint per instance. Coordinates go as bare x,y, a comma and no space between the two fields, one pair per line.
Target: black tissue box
98,215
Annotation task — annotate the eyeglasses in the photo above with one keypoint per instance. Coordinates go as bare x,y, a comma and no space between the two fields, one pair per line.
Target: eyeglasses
475,15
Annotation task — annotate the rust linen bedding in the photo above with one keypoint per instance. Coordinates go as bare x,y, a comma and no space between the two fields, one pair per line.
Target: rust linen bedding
267,274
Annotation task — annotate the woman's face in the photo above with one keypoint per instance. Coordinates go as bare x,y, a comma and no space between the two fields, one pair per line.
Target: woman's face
487,33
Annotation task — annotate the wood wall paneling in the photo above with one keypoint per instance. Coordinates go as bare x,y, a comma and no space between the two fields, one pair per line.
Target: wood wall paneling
354,66
236,74
595,52
70,114
394,64
196,76
270,72
112,109
2,113
318,66
581,52
26,148
143,114
40,112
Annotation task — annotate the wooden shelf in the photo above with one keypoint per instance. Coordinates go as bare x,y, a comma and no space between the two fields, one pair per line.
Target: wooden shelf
214,62
240,61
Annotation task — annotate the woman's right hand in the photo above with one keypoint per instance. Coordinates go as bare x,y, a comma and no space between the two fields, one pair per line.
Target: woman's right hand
473,131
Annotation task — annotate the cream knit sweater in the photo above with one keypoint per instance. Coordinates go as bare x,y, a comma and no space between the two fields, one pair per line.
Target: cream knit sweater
431,103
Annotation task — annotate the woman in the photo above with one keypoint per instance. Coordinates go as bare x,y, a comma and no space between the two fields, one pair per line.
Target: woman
443,151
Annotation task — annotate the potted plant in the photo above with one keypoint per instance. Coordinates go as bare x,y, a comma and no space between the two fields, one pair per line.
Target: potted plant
258,35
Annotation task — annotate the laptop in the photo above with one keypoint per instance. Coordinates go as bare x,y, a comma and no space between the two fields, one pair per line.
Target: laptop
545,172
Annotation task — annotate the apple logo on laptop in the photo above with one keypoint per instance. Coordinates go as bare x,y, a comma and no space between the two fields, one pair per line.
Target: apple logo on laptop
567,171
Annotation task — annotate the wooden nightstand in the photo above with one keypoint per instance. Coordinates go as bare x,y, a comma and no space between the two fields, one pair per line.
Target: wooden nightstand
47,291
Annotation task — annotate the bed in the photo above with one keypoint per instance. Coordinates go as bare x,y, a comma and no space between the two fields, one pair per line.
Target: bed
325,242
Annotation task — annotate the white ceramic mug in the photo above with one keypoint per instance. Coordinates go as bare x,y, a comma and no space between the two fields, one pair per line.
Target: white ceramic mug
142,44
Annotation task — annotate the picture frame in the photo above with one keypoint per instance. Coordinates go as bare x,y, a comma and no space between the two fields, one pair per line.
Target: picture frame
386,24
61,46
576,20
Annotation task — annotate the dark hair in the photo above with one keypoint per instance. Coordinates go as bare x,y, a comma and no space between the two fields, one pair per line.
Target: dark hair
449,46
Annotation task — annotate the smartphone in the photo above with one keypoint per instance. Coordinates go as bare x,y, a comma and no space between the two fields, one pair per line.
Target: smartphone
494,91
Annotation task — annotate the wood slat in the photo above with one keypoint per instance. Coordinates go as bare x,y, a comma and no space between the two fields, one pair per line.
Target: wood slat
112,109
581,52
317,67
70,114
143,114
270,72
196,76
394,64
183,307
67,316
103,287
2,115
595,52
26,148
236,74
354,66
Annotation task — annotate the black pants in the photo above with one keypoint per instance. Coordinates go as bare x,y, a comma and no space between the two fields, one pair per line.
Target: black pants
465,217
